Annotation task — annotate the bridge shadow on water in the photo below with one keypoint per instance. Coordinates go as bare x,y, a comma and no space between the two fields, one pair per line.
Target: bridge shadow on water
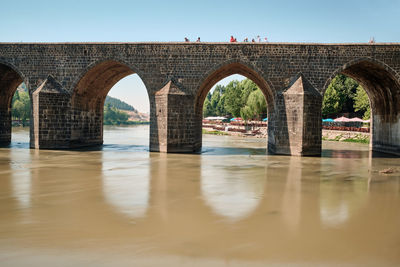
326,153
353,154
218,151
13,144
226,151
114,147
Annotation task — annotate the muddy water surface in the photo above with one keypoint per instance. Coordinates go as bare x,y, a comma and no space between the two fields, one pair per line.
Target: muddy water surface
232,205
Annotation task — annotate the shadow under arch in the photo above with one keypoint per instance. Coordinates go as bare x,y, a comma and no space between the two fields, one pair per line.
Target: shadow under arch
222,71
88,96
10,79
383,89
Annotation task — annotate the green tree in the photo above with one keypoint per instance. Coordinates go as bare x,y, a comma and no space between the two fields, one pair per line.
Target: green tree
220,111
247,86
216,95
339,96
331,103
229,100
350,90
21,107
246,113
361,103
207,108
256,106
233,98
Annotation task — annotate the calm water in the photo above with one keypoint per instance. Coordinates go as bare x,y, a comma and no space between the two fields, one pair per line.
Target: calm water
232,205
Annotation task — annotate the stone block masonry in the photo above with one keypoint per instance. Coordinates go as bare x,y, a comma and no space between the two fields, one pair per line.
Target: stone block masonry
68,83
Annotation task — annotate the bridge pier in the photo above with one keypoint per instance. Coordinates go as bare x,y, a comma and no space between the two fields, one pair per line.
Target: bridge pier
51,128
295,124
86,122
385,134
172,126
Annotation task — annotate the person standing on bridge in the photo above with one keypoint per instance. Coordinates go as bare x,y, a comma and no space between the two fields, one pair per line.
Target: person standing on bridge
187,40
198,40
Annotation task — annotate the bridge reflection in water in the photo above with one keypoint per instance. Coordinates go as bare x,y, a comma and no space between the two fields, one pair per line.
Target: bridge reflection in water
123,204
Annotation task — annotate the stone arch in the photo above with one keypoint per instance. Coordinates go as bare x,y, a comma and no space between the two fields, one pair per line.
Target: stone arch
230,67
96,63
383,89
10,79
89,92
384,67
220,72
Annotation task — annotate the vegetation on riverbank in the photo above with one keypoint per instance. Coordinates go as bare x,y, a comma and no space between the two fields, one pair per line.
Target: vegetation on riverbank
345,95
359,138
214,132
244,99
114,116
237,99
21,106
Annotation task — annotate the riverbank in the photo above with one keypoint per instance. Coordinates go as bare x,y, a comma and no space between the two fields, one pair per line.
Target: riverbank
327,135
345,136
129,123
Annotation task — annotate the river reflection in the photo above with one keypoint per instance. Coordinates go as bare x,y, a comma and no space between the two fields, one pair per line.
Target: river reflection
127,191
20,177
232,205
232,191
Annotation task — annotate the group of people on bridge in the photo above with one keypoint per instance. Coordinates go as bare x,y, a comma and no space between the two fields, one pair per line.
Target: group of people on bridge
256,39
246,40
234,40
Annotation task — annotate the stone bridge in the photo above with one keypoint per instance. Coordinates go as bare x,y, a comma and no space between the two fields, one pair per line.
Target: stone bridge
68,83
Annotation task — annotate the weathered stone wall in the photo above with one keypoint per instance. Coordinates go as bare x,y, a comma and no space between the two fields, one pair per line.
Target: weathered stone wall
51,116
86,122
5,123
193,68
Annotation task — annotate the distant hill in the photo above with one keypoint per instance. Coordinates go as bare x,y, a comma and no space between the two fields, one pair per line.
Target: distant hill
116,103
134,114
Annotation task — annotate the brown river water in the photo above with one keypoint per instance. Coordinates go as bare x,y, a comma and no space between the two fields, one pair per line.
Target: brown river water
231,205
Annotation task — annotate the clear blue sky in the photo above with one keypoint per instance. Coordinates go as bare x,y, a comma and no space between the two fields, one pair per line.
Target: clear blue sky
215,21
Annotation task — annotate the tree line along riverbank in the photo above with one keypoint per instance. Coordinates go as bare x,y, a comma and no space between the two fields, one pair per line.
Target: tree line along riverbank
344,96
